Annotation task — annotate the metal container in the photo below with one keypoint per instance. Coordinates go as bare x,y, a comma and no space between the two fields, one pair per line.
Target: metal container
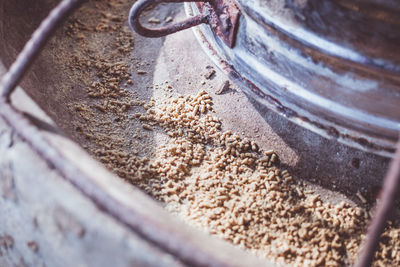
331,66
62,207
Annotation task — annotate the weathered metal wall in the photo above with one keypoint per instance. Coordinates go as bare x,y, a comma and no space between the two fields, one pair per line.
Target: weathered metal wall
44,221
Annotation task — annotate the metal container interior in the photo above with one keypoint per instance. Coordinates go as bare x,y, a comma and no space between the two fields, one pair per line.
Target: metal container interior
53,87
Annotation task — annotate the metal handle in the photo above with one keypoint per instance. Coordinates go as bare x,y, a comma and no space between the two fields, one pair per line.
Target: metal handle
141,5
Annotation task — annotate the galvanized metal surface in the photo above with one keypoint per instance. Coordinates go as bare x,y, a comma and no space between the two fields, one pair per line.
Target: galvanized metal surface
326,65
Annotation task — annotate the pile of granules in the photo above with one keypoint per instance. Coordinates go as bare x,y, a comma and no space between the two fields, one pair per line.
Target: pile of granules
209,177
225,185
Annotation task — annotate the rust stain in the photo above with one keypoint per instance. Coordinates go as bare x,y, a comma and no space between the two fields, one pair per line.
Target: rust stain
33,246
6,242
66,222
7,181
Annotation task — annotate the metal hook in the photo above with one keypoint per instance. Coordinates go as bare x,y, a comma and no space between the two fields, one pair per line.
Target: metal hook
141,5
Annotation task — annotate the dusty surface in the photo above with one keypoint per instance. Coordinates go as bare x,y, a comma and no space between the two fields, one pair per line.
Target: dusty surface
136,108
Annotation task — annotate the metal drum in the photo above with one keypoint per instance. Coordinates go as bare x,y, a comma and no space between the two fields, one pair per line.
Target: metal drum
330,66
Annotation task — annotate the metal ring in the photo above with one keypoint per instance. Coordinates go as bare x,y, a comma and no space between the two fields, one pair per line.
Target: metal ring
141,5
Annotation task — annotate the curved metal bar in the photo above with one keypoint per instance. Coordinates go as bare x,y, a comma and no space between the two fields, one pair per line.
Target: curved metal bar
35,45
391,186
141,5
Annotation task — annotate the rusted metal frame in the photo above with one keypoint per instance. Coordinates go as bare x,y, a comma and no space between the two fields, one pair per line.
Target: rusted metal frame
384,207
221,15
34,46
151,231
141,5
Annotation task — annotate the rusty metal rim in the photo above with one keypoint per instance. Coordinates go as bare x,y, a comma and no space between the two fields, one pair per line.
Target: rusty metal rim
350,137
327,47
